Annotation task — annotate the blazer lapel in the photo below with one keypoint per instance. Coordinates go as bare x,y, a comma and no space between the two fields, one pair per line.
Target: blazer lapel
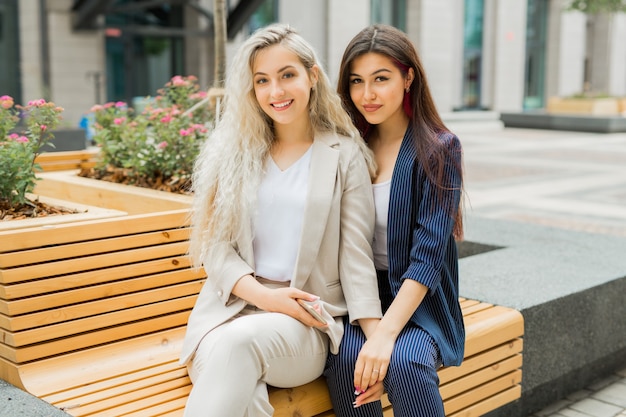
322,177
399,230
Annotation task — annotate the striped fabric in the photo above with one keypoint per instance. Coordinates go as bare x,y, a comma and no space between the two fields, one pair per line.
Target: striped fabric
420,247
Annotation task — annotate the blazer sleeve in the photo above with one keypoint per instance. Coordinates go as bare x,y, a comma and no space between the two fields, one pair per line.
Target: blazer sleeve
434,218
224,269
356,265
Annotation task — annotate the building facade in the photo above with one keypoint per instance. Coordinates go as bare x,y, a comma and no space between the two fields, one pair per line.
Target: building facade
495,55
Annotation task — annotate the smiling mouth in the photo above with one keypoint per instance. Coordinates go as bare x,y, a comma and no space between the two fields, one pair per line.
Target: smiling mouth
371,108
282,105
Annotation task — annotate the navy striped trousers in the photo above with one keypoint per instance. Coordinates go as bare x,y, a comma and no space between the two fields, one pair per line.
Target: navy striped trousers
412,382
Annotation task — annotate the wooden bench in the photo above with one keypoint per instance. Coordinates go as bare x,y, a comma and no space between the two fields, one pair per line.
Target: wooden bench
93,313
66,160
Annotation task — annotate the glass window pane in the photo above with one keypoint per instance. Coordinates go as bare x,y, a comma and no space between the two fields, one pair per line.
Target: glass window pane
10,82
472,54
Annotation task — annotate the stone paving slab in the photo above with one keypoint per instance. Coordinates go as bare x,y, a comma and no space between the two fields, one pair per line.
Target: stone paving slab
564,182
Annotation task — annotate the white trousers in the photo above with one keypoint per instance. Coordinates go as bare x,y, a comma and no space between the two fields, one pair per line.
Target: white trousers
236,360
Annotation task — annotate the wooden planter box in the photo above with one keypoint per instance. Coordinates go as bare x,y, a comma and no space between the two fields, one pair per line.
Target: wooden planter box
69,286
592,106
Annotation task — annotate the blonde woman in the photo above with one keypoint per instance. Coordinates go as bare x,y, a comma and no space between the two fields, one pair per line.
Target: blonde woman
283,213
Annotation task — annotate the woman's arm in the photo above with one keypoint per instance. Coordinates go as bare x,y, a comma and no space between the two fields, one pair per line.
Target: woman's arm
279,300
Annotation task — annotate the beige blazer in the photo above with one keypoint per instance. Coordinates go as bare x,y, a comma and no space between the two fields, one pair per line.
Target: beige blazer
334,258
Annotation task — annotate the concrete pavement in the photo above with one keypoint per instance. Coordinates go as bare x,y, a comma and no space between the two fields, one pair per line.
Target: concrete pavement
567,180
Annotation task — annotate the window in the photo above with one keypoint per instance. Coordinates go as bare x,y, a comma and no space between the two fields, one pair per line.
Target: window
10,81
535,62
472,54
389,12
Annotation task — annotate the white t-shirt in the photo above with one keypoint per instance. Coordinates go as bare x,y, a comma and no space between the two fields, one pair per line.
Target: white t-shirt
381,201
280,214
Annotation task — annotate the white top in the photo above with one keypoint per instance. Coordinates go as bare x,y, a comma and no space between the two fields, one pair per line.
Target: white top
381,201
280,214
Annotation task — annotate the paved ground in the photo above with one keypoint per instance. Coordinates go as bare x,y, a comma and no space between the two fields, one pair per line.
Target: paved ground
562,179
569,180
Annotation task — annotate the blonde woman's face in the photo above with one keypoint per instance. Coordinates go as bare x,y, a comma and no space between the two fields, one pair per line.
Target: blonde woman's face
282,85
377,88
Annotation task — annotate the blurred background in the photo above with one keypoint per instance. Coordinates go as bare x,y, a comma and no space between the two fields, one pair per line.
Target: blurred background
481,56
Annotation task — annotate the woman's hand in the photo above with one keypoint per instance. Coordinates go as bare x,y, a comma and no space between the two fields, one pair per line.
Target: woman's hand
277,300
373,393
284,300
372,363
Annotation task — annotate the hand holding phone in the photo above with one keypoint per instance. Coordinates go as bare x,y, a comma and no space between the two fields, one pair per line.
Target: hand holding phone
308,306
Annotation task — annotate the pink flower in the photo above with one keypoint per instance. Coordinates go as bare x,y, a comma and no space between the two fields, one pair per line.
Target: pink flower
43,127
6,102
22,139
166,119
120,104
162,145
119,120
14,136
37,103
177,80
96,108
186,132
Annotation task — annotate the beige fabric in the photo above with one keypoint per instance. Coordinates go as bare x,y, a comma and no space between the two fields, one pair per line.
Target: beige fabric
251,350
334,257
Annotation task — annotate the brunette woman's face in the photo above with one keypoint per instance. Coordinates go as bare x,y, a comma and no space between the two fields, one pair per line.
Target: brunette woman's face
377,88
282,85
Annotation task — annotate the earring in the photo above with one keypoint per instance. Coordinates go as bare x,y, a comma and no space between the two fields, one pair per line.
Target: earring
407,89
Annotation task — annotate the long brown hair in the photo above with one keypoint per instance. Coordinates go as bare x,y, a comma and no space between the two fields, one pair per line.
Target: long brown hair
418,103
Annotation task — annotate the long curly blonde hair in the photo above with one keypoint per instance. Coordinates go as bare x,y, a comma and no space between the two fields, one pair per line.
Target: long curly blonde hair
230,165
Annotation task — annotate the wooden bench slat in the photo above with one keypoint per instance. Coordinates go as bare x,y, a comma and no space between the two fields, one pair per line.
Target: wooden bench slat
68,329
465,303
497,400
130,400
480,361
99,285
84,278
171,289
74,250
171,408
73,265
164,371
483,392
111,391
36,237
468,382
168,285
56,347
102,362
475,308
491,327
311,399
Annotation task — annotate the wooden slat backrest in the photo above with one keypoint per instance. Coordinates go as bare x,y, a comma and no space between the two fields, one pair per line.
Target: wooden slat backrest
13,241
61,297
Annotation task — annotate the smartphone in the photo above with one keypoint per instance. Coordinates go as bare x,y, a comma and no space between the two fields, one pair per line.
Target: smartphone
309,308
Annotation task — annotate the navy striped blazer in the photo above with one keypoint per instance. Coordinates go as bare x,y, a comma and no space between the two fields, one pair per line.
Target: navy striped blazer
420,244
